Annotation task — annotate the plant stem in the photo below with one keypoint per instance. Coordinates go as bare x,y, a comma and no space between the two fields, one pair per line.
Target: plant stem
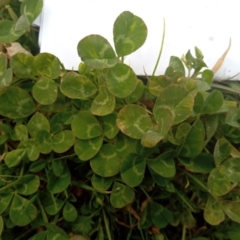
161,49
13,183
184,233
106,222
44,216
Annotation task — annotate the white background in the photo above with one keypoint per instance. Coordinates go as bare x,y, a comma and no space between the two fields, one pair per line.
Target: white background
207,24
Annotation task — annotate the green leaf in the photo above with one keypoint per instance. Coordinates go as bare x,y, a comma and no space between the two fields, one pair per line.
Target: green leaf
161,216
164,119
21,132
222,151
213,213
109,125
231,169
194,141
233,117
158,83
121,80
130,33
101,183
69,212
3,63
132,169
37,166
151,138
96,52
87,149
22,24
1,225
163,165
121,195
213,102
161,181
207,76
59,184
83,225
23,65
218,184
106,163
56,233
134,121
5,200
177,65
58,166
103,104
211,125
22,211
14,157
232,210
85,125
45,91
178,100
125,145
8,33
39,236
202,163
6,78
16,103
77,86
136,94
44,141
52,208
62,141
28,184
37,123
47,64
31,9
32,150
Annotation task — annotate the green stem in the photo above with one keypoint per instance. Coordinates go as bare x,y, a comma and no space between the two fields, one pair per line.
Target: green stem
184,233
161,49
44,216
12,13
106,222
15,182
144,191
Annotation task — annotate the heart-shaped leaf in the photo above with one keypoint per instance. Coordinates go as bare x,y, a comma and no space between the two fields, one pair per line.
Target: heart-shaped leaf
77,86
110,128
87,148
45,91
178,100
132,169
47,64
101,183
103,104
121,80
130,33
69,212
106,163
16,103
85,126
38,122
62,141
213,212
28,184
96,52
121,195
218,184
134,121
14,157
22,212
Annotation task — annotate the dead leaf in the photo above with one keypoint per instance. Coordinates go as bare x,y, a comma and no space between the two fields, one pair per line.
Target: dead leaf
220,61
15,48
74,236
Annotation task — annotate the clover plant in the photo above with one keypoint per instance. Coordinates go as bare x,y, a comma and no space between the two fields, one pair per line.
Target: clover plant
98,154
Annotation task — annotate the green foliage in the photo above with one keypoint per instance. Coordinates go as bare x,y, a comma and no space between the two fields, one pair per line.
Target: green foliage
97,154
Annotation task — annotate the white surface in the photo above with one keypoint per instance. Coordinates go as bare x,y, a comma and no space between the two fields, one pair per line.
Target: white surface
202,23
